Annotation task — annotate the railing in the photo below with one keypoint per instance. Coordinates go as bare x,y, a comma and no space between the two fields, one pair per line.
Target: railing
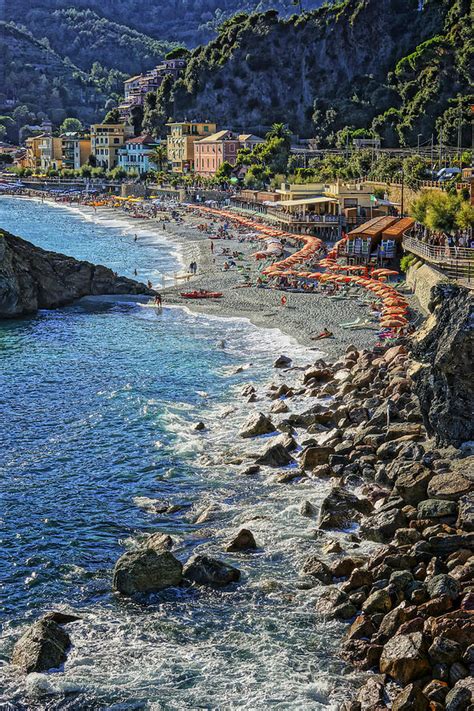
303,219
455,262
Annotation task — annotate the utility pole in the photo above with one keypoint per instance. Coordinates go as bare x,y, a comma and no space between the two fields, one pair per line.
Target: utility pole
440,147
432,146
402,206
418,143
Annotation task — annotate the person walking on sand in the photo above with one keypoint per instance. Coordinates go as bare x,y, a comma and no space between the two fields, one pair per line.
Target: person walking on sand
212,247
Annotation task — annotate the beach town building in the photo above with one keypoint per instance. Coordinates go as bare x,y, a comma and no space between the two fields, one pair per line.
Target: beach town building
33,153
136,152
51,152
180,142
221,147
106,140
135,88
76,149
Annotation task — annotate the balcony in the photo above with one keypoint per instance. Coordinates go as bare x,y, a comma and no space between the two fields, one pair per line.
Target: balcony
454,262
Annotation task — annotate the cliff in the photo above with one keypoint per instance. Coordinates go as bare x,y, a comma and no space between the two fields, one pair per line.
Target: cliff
339,65
32,278
443,373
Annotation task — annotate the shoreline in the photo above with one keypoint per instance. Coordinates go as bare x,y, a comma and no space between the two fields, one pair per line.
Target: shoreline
304,314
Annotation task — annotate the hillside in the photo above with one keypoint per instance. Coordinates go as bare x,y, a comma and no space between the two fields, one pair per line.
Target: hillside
39,79
320,72
189,22
85,37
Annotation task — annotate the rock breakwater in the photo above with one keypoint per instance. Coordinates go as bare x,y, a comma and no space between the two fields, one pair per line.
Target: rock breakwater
32,278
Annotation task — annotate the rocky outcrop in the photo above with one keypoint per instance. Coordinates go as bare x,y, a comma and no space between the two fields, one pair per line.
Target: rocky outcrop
203,570
43,646
32,278
146,570
444,351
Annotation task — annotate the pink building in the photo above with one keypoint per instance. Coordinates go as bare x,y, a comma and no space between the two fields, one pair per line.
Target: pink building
211,152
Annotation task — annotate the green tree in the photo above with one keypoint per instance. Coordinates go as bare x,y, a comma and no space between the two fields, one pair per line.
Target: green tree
159,156
438,211
112,116
465,216
70,125
225,171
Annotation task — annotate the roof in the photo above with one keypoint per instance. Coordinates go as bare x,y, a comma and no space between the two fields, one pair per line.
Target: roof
219,136
250,137
397,230
373,228
142,139
306,201
137,76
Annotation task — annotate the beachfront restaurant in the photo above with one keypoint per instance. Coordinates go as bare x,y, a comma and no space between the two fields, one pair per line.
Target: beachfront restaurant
377,241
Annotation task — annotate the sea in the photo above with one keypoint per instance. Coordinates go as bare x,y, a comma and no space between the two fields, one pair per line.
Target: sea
98,404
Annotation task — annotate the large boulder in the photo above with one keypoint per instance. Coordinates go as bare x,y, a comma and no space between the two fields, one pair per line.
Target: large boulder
32,278
340,508
257,424
314,456
243,541
442,376
203,570
412,482
146,571
449,485
43,646
436,508
317,569
274,455
404,658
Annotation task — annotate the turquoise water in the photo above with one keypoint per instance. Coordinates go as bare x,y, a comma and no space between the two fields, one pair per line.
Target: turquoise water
97,406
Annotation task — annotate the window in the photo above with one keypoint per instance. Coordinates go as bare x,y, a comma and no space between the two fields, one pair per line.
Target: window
350,202
116,140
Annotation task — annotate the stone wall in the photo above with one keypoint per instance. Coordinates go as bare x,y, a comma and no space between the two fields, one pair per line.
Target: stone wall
422,279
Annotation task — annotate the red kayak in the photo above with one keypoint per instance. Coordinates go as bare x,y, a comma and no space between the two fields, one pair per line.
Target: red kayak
201,294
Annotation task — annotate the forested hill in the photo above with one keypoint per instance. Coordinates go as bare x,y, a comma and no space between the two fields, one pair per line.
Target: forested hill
400,63
189,22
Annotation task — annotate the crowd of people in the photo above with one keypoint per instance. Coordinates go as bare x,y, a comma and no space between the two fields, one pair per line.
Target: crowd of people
448,244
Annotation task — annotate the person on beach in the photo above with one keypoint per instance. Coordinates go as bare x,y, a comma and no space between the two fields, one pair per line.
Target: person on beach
135,239
135,272
212,247
158,300
325,333
283,301
149,284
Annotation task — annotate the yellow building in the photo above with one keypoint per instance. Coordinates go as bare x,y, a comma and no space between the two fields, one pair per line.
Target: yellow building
106,139
51,152
76,149
33,154
180,143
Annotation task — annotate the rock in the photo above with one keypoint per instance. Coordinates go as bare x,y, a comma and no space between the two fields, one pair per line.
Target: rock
412,483
459,698
443,586
343,567
202,570
61,618
436,508
43,646
357,579
449,485
371,696
274,455
154,506
332,546
442,374
315,456
251,470
457,672
361,628
199,426
382,525
436,691
344,611
243,541
158,542
307,509
317,569
146,571
404,659
257,424
206,514
279,406
443,544
466,514
340,508
444,651
411,698
378,601
282,361
318,374
393,620
32,278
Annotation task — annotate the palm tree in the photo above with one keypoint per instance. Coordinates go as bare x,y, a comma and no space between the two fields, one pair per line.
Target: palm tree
159,156
279,130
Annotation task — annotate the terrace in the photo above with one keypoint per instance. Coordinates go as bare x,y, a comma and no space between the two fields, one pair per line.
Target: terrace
454,262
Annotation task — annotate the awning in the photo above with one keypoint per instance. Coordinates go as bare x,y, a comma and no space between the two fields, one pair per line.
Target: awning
305,201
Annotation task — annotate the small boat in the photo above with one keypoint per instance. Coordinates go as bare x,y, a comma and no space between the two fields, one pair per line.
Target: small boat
201,294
